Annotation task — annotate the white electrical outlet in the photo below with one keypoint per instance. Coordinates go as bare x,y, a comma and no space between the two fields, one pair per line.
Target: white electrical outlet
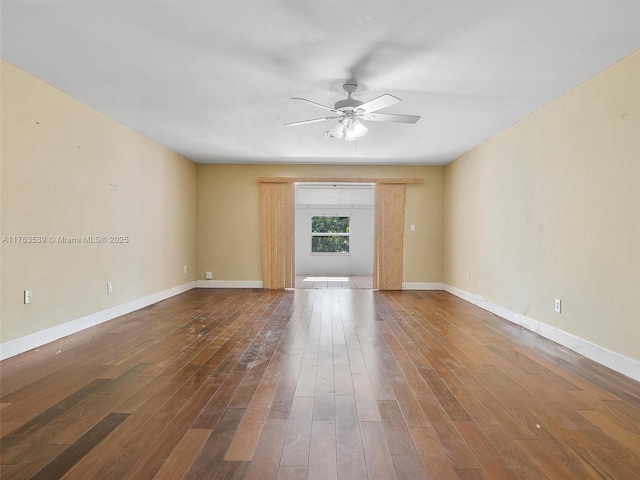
27,296
185,269
208,275
413,228
558,305
109,288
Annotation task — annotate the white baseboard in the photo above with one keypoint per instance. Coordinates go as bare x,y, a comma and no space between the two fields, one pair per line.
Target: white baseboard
37,339
422,286
620,363
615,361
229,284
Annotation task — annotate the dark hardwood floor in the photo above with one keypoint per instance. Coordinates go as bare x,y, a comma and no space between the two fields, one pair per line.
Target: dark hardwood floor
314,383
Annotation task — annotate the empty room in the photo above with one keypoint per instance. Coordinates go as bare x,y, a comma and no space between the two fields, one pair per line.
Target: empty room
319,240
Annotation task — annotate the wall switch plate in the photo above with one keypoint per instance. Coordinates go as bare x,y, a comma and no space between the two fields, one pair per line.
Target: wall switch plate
558,305
208,275
27,296
109,288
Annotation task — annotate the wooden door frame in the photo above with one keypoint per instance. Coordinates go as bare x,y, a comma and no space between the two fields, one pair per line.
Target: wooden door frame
277,209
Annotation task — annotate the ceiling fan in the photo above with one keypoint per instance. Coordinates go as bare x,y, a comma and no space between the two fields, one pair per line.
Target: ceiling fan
350,111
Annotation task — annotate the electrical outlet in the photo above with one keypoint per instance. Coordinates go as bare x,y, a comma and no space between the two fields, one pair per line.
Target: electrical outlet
208,275
109,288
413,228
27,296
185,269
558,305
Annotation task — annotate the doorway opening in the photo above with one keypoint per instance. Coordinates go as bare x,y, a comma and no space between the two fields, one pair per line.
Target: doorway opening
277,212
334,231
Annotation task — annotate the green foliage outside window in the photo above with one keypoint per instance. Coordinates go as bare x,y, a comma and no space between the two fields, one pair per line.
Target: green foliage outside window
330,224
330,244
330,234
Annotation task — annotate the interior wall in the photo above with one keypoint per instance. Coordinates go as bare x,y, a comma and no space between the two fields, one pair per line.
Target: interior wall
550,208
355,202
359,260
228,216
69,173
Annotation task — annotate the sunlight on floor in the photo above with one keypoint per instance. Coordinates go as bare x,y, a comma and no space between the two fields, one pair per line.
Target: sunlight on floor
326,279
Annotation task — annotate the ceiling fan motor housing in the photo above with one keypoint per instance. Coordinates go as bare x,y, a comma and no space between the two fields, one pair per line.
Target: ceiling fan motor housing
348,103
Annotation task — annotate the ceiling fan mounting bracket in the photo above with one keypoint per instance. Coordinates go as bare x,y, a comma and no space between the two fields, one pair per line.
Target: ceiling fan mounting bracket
350,87
348,104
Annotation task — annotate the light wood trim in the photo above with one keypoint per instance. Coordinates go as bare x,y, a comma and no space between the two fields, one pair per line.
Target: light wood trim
388,238
340,180
277,231
278,225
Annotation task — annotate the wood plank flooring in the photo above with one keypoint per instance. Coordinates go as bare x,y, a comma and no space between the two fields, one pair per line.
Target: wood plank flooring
314,384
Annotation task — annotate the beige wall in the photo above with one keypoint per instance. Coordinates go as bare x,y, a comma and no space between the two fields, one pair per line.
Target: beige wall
68,170
550,208
228,216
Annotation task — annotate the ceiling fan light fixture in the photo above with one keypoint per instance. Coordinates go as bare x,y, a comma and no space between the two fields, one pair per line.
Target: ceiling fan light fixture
348,128
338,130
350,135
358,128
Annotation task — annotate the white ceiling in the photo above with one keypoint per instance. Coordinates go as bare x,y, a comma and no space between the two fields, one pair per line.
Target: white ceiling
213,80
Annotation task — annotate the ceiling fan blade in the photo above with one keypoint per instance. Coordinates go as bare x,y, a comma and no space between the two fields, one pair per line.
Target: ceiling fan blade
292,124
315,103
390,117
378,103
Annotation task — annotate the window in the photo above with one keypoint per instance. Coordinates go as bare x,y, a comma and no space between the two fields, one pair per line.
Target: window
330,234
